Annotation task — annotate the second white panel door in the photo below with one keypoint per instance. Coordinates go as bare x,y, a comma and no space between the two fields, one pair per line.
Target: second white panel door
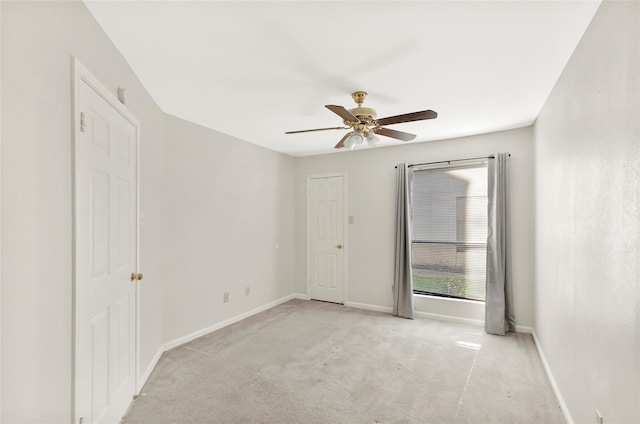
326,238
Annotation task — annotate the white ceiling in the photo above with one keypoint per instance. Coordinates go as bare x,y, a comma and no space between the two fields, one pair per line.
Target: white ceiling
256,69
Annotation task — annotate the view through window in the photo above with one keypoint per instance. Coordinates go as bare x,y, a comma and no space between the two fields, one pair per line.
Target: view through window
449,231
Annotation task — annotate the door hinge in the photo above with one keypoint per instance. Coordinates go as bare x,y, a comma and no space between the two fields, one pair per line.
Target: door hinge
83,122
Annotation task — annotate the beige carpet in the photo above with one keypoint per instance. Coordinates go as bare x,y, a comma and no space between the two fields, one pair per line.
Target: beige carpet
315,362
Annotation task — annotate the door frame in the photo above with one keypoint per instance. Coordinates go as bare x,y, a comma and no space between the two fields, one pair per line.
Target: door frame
345,218
81,74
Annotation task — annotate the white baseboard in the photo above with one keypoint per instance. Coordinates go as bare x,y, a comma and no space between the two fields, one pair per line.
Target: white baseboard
192,336
142,379
185,339
563,406
524,329
358,305
369,307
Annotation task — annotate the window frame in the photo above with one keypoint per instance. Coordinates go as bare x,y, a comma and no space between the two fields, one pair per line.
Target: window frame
460,245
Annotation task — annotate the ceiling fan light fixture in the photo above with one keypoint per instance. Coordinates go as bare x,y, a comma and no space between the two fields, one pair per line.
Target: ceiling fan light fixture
372,139
349,144
357,138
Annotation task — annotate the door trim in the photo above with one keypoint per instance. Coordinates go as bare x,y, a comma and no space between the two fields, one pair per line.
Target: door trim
345,196
80,74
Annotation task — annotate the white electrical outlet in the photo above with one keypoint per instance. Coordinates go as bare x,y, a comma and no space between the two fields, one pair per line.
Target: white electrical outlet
599,418
247,291
225,297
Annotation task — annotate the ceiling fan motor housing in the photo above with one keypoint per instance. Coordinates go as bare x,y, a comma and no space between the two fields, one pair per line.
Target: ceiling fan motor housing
366,114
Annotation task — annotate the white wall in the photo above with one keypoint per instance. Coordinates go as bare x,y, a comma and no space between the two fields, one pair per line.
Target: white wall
231,226
38,39
370,200
587,149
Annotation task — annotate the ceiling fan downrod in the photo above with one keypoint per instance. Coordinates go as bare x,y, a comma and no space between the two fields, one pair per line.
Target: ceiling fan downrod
366,115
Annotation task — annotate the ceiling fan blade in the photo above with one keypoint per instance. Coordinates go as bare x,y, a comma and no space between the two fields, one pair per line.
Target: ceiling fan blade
387,132
342,112
317,129
408,117
341,143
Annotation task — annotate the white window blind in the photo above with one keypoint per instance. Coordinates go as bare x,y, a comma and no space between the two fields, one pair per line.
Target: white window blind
449,227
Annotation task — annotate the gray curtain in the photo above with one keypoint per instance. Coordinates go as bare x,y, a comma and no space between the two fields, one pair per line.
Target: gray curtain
499,316
402,281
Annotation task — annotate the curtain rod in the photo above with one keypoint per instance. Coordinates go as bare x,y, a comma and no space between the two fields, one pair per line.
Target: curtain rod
449,161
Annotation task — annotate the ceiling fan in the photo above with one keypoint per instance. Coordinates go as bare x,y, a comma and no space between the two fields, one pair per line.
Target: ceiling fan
365,125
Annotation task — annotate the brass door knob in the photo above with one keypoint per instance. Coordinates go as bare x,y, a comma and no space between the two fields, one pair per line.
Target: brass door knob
339,246
140,277
135,276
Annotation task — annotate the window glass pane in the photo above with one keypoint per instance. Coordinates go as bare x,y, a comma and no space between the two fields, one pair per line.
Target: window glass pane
449,211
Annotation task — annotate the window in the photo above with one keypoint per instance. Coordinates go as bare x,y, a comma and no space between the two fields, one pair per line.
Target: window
449,230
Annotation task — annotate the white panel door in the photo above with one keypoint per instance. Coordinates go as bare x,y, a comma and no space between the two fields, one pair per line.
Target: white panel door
106,249
326,272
